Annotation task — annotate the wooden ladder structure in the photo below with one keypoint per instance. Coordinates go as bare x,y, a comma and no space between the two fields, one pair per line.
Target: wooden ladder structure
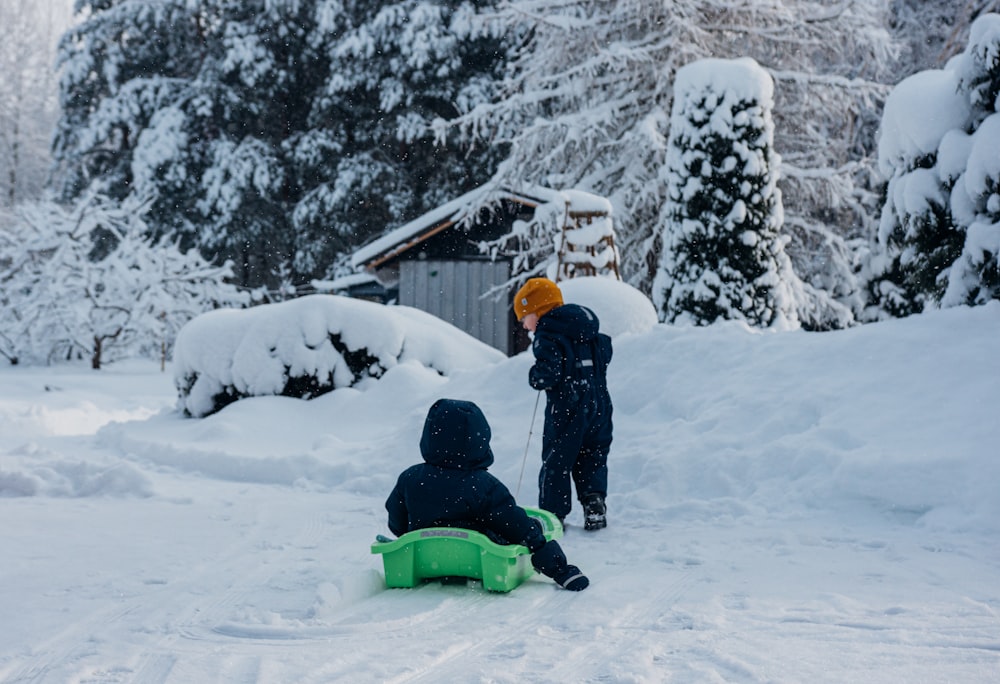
587,246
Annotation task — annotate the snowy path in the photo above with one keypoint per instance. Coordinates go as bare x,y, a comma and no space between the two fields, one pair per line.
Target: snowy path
257,597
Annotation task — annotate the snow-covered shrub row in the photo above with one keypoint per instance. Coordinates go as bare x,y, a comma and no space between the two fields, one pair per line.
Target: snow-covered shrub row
310,346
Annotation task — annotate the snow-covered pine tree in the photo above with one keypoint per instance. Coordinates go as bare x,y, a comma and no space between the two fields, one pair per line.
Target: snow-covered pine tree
722,252
587,105
189,103
273,133
270,64
938,239
68,295
975,200
393,68
121,62
917,238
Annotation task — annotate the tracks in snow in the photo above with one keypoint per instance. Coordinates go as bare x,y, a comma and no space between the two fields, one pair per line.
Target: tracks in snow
249,610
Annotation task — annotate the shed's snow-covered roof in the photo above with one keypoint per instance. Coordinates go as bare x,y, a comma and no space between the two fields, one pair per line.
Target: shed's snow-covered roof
416,231
343,282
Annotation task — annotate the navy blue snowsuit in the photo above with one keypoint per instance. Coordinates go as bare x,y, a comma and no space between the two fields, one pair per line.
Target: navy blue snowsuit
571,362
452,488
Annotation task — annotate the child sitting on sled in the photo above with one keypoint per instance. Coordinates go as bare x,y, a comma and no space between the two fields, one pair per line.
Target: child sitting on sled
453,488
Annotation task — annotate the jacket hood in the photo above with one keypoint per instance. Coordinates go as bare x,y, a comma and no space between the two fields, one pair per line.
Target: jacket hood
456,435
575,322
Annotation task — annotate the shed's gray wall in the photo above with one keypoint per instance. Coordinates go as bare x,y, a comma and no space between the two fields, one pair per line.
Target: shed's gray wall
452,290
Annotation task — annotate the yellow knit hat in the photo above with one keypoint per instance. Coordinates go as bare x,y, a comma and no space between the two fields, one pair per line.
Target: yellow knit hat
537,296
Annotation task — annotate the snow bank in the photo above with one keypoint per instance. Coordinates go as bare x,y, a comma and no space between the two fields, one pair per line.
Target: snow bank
310,346
620,307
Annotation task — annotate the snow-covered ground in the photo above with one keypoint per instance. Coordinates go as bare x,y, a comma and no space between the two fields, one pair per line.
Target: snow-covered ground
784,507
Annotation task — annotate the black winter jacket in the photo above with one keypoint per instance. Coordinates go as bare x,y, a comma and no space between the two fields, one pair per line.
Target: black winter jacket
571,357
452,488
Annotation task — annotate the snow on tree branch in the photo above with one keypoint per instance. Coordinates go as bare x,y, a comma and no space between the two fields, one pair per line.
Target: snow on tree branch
87,282
586,106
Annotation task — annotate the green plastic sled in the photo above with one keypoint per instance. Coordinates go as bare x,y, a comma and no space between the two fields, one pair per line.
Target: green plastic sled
437,552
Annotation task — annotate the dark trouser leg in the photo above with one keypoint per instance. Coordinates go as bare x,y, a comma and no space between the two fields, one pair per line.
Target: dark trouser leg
561,442
590,472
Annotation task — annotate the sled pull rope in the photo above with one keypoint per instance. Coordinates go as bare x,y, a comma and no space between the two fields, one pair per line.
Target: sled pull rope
531,429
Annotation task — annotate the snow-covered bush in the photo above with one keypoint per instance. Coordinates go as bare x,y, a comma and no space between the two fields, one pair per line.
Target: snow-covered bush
310,346
939,236
87,282
722,254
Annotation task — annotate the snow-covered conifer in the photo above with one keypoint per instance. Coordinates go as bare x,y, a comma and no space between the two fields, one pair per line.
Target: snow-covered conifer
395,68
274,134
722,254
975,200
939,237
917,238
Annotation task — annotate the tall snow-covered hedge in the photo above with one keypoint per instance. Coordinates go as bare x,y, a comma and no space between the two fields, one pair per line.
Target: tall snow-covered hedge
722,253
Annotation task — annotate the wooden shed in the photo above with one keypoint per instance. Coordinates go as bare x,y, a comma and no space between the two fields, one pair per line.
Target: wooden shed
435,264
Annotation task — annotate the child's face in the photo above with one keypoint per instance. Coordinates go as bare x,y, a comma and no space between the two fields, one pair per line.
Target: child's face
529,322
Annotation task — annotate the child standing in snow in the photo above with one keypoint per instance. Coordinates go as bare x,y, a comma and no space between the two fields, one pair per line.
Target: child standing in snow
452,488
571,362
